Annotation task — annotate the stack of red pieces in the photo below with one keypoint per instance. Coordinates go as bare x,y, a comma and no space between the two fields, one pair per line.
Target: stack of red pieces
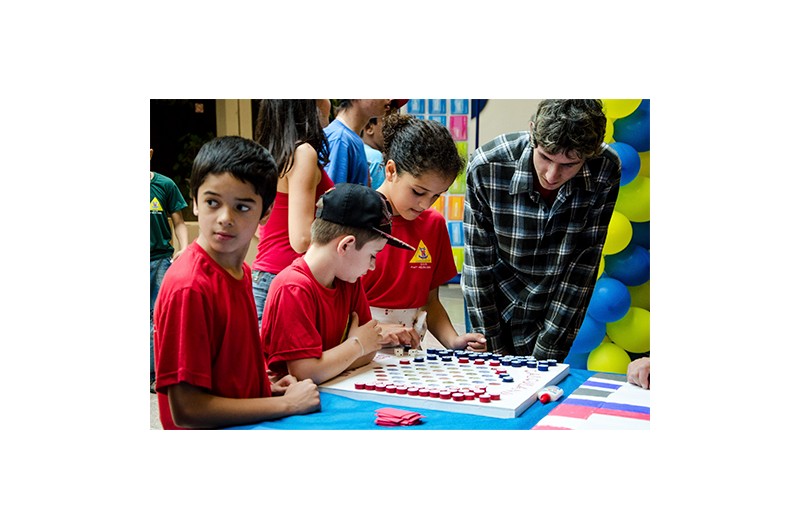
389,416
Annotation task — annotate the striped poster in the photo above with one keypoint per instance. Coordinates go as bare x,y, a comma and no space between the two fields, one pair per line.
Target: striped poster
604,402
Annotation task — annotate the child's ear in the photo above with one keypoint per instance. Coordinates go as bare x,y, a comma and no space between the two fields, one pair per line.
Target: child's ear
391,170
345,243
194,206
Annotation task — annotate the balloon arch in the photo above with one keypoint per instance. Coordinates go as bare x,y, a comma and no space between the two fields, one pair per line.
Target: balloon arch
616,328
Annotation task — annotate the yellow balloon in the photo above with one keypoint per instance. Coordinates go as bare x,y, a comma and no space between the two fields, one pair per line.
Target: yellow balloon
644,170
609,138
634,200
620,108
640,295
608,357
632,332
602,266
619,233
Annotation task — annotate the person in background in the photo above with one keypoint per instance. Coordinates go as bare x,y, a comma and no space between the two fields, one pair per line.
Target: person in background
166,204
536,214
348,159
373,147
292,132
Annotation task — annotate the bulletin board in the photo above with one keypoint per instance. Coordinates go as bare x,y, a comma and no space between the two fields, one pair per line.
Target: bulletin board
453,114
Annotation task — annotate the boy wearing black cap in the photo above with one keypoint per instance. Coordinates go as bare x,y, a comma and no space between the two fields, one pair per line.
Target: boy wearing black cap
311,327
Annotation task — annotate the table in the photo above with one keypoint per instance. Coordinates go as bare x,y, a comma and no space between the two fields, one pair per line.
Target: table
341,413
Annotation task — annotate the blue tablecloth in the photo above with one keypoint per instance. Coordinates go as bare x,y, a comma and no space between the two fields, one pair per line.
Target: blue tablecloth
341,413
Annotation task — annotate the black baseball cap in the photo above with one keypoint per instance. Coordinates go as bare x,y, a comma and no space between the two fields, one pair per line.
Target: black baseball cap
361,207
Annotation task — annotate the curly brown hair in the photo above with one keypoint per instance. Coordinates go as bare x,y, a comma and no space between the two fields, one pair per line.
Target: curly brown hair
418,146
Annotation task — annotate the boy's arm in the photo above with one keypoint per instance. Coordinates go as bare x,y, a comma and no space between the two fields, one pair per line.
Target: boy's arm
181,233
357,350
193,407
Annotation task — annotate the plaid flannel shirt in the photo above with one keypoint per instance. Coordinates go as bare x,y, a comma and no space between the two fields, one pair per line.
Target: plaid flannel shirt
529,269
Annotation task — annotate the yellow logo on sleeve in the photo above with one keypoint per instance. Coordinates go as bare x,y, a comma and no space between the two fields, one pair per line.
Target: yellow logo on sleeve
421,256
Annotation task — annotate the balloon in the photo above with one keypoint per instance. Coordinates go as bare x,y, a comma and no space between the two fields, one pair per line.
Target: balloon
630,266
590,334
619,108
608,357
602,266
609,137
634,200
619,234
634,129
610,300
644,158
629,158
641,234
632,332
640,295
576,360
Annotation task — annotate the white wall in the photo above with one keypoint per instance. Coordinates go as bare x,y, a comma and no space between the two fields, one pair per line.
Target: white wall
501,116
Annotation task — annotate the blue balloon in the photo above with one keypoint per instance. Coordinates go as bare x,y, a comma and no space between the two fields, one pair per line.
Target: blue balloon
590,334
577,360
631,163
634,129
631,266
641,234
610,300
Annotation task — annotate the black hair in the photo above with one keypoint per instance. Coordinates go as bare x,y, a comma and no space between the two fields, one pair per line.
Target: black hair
244,159
282,125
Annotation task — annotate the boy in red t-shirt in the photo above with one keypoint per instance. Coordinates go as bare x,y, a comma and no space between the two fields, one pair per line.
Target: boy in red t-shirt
210,368
311,322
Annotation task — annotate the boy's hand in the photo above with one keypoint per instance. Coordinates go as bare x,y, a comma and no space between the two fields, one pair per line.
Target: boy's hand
395,334
303,397
280,386
369,334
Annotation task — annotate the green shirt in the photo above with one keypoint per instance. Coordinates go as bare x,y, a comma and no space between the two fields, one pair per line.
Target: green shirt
165,198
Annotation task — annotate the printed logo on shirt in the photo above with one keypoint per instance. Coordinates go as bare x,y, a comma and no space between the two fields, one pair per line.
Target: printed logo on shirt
421,256
155,206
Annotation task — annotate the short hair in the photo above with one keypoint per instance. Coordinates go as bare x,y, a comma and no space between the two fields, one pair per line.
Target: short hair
324,231
244,159
417,146
571,127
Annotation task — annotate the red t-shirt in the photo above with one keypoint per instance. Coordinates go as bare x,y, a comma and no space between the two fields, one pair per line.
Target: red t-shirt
402,279
303,318
206,332
274,252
